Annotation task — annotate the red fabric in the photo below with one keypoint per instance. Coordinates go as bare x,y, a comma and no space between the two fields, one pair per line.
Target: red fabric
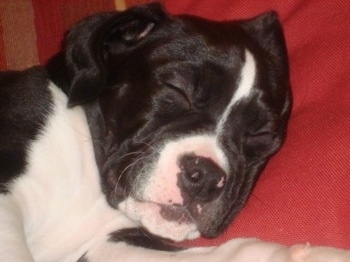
53,18
3,62
304,193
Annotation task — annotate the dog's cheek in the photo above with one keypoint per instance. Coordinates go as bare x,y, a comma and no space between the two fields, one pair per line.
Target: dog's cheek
162,187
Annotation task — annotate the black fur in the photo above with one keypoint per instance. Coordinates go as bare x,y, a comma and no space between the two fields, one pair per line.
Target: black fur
25,104
141,238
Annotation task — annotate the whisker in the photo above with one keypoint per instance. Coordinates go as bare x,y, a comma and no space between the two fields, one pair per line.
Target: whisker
125,169
131,153
150,146
145,233
132,164
138,177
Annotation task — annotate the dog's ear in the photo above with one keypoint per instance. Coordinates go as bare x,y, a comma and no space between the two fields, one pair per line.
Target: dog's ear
267,32
89,42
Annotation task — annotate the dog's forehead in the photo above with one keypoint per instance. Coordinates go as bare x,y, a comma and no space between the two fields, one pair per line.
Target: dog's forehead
219,33
195,39
189,50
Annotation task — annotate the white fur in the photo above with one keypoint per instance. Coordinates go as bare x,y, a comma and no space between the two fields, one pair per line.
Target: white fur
245,87
57,206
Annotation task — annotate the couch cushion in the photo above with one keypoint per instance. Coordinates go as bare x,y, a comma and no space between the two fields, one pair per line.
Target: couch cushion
303,194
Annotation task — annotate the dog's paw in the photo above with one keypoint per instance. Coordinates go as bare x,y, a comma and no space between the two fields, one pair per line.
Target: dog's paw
307,253
243,250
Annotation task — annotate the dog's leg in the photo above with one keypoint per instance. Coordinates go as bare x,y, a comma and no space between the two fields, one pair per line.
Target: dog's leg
13,245
237,250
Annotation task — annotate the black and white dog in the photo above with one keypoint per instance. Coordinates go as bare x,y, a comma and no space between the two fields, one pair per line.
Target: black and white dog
146,127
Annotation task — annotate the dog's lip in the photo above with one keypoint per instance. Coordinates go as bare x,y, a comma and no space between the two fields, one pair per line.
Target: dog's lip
173,212
167,221
176,213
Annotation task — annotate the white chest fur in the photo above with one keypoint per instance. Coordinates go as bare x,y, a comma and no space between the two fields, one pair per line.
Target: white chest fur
62,208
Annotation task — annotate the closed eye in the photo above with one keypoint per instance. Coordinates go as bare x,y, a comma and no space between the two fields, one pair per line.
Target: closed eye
262,135
179,91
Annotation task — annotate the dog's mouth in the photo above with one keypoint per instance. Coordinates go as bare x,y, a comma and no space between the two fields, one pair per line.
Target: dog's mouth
167,221
176,213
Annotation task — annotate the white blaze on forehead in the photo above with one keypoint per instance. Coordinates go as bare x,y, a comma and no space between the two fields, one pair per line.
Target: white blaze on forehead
246,83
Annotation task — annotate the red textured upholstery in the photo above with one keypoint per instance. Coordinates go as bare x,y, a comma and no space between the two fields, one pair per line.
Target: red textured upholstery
304,193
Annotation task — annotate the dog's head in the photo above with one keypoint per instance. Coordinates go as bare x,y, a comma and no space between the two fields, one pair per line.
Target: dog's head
184,112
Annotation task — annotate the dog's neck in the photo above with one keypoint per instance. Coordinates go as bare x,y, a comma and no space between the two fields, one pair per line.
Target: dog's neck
103,140
57,72
101,136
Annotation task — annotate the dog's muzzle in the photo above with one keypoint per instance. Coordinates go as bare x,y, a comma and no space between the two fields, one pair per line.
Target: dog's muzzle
180,192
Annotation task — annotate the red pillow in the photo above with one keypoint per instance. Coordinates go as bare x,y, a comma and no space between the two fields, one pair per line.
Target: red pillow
304,193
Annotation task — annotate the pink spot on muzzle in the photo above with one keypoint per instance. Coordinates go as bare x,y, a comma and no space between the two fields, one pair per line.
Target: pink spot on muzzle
221,182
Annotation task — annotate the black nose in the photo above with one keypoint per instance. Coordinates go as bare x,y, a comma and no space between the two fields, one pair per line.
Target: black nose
200,179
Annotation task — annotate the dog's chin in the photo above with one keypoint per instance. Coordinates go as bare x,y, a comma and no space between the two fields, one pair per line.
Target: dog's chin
166,221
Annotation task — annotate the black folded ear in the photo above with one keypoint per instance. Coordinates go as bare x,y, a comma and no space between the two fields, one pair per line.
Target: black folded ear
90,41
266,30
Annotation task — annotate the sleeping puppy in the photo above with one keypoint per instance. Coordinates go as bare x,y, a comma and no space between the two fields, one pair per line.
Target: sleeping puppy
147,129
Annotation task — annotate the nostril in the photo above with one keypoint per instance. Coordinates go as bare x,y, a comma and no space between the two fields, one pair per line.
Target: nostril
192,174
192,168
195,176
